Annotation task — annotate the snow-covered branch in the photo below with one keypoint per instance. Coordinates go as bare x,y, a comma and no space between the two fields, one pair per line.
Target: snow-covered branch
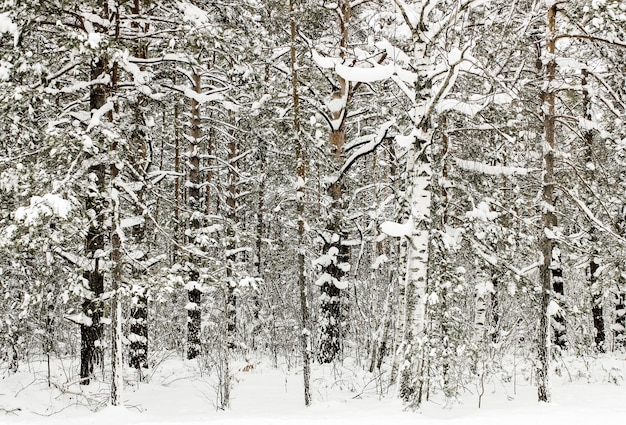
367,147
494,170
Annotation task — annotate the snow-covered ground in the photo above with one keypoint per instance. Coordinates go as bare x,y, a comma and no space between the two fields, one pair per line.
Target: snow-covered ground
588,391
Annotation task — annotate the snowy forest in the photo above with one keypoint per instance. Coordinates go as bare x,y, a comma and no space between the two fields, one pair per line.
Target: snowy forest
424,198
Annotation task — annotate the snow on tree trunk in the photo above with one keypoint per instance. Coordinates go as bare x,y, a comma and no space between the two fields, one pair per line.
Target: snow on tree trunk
559,321
194,316
138,336
230,300
597,311
419,197
116,280
91,330
594,285
330,302
333,271
381,340
619,327
305,325
548,214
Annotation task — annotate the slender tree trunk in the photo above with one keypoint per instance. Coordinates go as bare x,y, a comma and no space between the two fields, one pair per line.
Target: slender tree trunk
495,309
116,279
194,294
178,225
230,300
116,248
594,286
258,262
558,286
619,328
381,341
305,329
231,204
548,215
597,311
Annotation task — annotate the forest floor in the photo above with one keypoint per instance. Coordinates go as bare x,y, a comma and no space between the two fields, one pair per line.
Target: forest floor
585,390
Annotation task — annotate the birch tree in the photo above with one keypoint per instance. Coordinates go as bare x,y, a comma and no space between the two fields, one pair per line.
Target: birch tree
425,21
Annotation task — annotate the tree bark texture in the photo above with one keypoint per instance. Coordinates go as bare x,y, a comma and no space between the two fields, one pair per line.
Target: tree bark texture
139,330
301,175
595,289
194,294
91,330
548,215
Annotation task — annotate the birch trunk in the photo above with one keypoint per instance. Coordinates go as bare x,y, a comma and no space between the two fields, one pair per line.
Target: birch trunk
411,384
417,200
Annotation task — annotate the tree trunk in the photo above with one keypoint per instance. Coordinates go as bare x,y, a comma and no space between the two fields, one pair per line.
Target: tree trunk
559,322
231,203
411,383
379,350
548,215
305,329
596,307
330,298
417,204
495,310
139,330
619,328
594,285
194,316
91,330
116,280
139,304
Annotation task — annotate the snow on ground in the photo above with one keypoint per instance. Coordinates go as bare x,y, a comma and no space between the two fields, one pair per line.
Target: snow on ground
588,390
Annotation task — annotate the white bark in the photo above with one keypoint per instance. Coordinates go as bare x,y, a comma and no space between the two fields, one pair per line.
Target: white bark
419,196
